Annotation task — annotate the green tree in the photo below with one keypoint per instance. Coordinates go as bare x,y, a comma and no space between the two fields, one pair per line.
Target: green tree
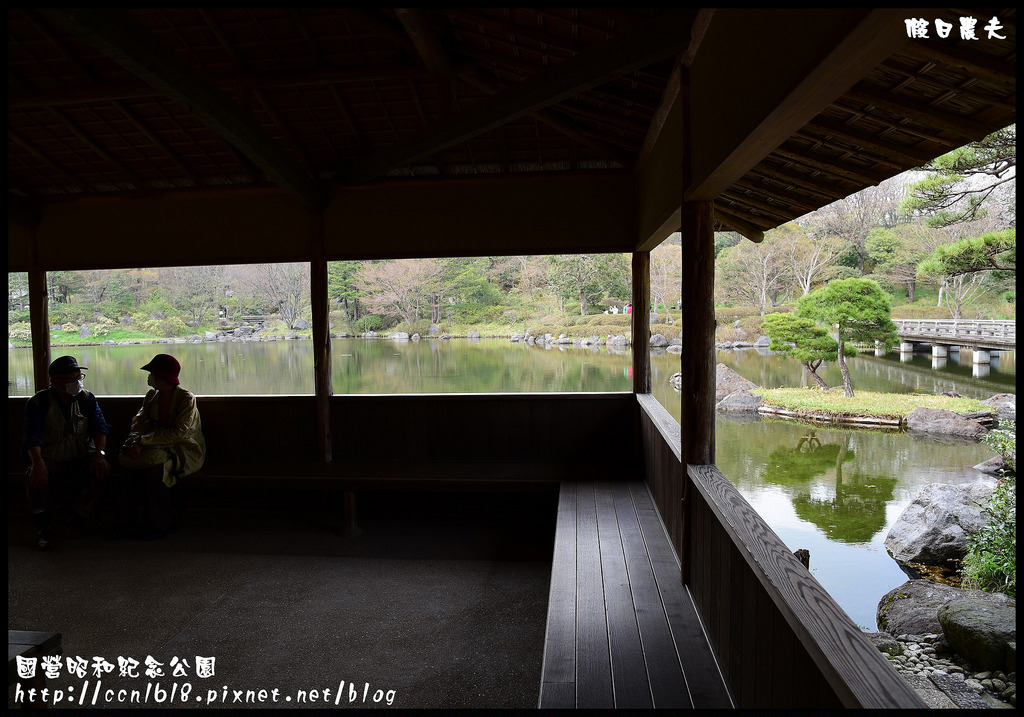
959,183
995,251
63,285
463,282
851,219
341,286
803,339
857,310
586,277
896,252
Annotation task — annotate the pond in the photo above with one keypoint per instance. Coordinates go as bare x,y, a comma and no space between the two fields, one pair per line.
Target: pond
833,491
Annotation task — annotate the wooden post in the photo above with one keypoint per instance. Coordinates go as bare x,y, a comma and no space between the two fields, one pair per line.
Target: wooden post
39,321
697,362
321,337
698,357
322,384
641,323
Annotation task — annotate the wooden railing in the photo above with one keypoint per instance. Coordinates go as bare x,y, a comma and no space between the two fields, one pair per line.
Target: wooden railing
781,640
980,334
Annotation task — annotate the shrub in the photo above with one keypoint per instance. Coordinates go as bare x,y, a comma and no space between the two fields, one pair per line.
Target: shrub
476,313
369,323
919,310
21,331
991,560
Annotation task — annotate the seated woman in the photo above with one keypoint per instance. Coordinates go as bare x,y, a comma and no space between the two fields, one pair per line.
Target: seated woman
166,443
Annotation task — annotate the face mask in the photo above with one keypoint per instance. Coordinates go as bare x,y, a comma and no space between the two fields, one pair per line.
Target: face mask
75,387
149,380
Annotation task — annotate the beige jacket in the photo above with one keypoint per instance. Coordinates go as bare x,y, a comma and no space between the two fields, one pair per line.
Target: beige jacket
183,439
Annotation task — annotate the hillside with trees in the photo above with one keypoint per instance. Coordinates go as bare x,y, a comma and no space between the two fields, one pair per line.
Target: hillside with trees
941,242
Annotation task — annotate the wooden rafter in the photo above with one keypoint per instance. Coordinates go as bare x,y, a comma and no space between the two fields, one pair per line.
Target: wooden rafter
120,37
668,35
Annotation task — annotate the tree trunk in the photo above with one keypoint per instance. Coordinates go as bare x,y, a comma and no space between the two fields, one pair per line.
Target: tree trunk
583,303
844,369
813,373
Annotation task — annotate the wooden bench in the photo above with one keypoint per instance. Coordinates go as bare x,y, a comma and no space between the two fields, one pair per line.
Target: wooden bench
28,643
622,630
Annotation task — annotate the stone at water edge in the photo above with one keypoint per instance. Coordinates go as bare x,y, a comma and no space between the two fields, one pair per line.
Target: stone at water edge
933,529
1005,405
728,381
913,607
942,422
980,630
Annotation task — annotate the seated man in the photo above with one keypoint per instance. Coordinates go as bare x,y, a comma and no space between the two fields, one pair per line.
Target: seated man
65,436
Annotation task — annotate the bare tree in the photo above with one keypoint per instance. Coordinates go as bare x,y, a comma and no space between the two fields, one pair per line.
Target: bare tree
283,288
666,276
398,288
194,289
850,219
758,274
807,257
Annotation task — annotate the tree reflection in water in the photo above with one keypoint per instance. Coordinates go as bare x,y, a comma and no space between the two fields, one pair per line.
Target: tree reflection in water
855,510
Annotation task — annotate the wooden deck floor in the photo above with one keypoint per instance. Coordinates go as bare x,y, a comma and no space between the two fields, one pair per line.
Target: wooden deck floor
622,630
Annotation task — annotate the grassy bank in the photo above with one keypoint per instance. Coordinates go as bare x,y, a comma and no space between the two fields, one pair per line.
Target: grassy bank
834,405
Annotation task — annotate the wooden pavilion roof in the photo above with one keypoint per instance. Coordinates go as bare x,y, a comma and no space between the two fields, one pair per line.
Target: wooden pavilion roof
793,109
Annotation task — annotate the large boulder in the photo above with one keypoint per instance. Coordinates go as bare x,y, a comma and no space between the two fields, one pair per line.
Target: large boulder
933,529
980,629
942,422
913,607
740,402
728,381
1005,405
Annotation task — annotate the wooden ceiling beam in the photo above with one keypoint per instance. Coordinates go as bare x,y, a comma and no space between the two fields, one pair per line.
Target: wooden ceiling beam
272,81
805,182
769,107
739,225
921,111
428,45
118,36
828,166
552,120
667,35
901,153
975,64
792,200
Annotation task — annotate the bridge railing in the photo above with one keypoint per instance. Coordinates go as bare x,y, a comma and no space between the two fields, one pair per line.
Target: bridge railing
952,330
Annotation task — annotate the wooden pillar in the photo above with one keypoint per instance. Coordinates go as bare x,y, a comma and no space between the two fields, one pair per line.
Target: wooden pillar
39,321
697,415
321,337
322,383
641,323
698,356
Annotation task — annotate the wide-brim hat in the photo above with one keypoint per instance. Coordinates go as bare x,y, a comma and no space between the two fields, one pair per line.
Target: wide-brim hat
165,366
65,364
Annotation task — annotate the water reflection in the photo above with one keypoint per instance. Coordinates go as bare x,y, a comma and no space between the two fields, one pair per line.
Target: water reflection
833,491
837,491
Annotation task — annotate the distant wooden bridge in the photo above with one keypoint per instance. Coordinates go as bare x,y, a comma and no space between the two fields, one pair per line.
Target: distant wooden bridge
982,337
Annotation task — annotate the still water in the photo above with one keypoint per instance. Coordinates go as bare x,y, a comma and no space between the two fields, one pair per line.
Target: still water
835,492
